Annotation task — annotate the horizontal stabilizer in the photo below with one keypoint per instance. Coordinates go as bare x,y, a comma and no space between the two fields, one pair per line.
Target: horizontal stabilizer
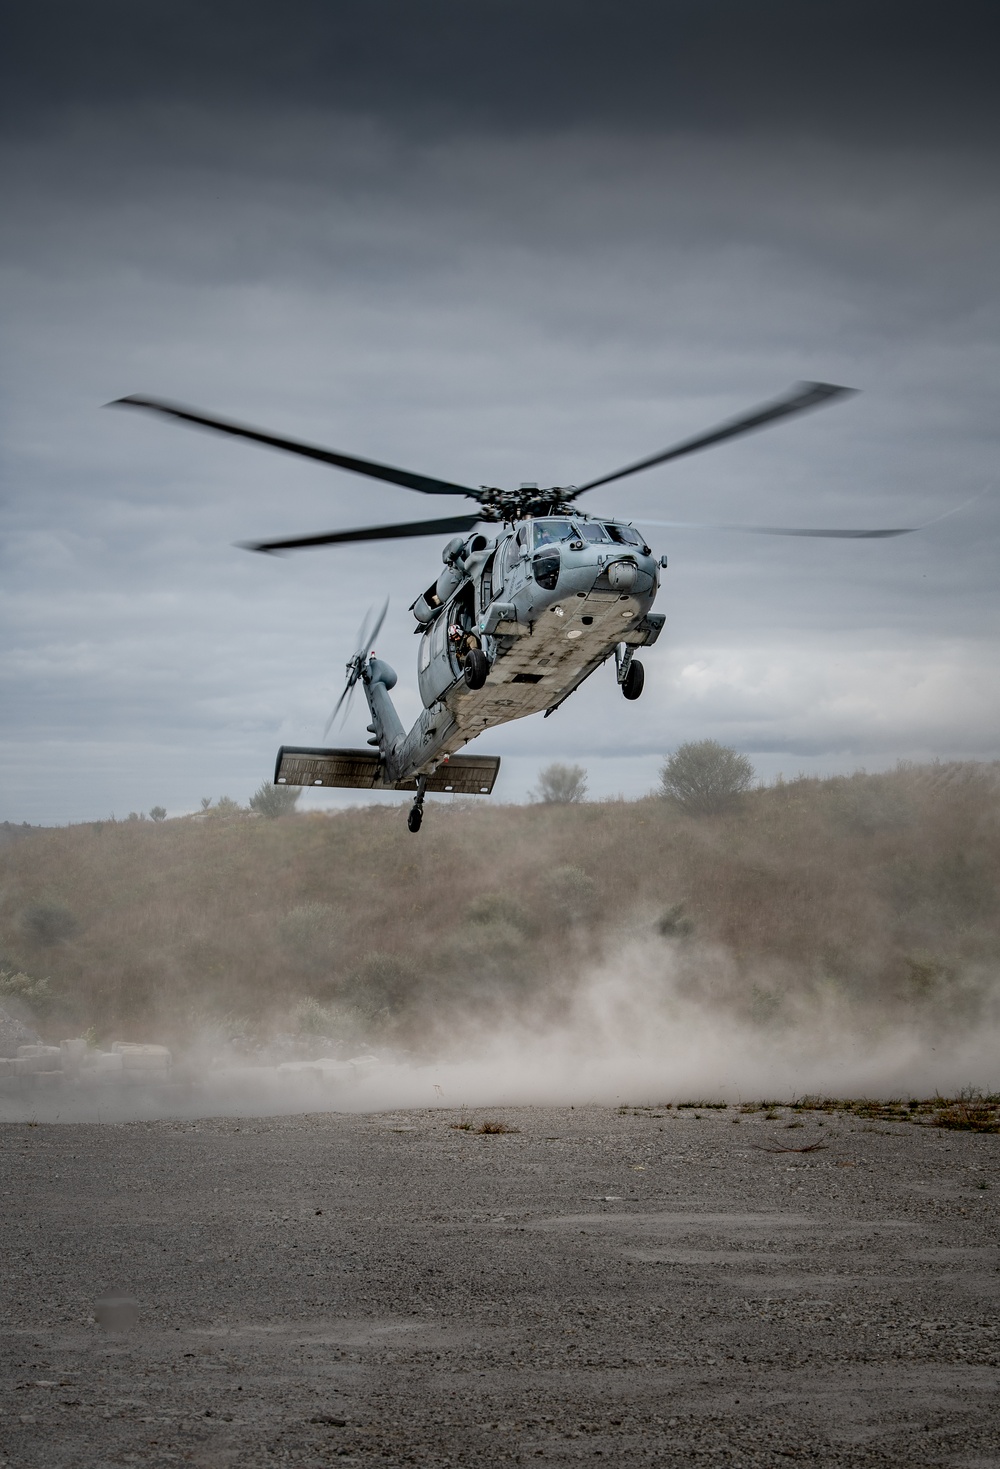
465,775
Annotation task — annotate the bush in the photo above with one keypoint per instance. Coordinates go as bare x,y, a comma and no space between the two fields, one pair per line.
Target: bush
674,923
311,933
705,778
561,785
226,806
344,1024
569,894
498,908
35,993
273,801
158,813
50,923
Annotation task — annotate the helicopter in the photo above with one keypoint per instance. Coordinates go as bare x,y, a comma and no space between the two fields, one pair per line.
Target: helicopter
535,595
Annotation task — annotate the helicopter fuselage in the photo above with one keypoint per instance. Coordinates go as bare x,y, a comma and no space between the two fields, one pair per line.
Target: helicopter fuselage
545,603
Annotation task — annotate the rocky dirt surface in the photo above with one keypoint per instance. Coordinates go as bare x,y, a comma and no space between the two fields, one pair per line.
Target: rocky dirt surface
665,1286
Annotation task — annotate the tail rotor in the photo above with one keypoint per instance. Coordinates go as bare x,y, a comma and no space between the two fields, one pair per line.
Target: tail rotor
366,636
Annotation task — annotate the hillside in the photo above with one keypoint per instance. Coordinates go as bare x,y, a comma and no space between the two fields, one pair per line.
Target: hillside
873,895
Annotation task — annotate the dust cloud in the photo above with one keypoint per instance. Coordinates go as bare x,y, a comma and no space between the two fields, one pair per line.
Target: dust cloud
640,1027
834,937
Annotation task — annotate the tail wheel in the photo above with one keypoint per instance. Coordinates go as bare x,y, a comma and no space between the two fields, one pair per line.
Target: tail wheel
634,680
477,667
414,818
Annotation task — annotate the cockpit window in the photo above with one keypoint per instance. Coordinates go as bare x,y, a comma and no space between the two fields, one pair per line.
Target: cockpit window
591,530
625,535
547,531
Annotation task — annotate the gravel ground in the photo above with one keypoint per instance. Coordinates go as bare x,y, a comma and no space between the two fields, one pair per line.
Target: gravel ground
650,1286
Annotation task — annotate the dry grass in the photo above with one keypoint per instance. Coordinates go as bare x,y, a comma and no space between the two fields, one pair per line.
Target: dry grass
879,890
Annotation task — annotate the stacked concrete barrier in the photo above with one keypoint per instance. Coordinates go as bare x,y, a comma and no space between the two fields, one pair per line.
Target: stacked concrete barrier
143,1062
74,1054
41,1066
34,1060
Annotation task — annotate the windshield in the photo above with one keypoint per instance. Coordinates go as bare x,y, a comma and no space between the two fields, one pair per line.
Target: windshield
592,531
547,531
625,535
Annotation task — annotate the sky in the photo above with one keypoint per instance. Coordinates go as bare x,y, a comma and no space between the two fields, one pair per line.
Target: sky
491,243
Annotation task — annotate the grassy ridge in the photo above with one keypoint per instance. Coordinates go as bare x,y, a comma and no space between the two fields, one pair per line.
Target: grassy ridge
881,889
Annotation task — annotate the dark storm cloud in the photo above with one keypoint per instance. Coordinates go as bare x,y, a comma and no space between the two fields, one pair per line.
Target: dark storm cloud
895,68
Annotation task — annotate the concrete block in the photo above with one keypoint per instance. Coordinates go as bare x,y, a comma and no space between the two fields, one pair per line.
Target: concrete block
106,1064
141,1057
300,1071
39,1058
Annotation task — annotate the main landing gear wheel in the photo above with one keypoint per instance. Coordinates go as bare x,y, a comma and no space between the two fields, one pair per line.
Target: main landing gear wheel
634,680
477,667
416,814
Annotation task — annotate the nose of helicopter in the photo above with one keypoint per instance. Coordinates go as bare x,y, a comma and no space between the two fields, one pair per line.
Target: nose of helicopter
584,568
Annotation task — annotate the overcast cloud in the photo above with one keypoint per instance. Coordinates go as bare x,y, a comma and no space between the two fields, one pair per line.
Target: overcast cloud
493,243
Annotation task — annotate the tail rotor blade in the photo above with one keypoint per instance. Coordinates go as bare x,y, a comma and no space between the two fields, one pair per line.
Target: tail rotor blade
366,636
348,696
362,639
378,626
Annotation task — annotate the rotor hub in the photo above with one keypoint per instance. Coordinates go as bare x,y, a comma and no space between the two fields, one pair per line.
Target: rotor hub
509,505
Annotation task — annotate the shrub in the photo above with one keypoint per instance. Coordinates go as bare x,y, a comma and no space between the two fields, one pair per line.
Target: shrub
273,801
342,1023
705,778
226,806
483,956
311,934
158,813
674,923
34,993
488,908
569,894
561,785
50,923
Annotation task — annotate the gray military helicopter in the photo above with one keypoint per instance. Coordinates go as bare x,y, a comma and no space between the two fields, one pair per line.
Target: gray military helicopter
535,595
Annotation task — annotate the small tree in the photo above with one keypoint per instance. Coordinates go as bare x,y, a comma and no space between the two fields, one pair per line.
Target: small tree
705,778
273,801
561,785
158,813
206,801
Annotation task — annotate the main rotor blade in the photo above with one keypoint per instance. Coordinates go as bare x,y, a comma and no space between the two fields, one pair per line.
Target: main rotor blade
783,530
800,398
452,524
421,482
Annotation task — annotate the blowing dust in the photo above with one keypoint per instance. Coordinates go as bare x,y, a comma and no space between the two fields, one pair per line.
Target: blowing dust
832,938
640,1028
